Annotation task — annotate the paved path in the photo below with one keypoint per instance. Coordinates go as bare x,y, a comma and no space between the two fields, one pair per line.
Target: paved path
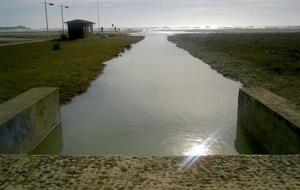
113,172
25,42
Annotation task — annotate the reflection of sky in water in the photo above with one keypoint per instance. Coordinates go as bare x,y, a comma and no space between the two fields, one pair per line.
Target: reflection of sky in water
155,100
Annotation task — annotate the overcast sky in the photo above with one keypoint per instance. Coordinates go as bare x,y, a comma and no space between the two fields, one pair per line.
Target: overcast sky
127,13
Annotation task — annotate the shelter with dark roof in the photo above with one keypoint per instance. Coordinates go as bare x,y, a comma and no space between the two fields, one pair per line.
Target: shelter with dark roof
80,28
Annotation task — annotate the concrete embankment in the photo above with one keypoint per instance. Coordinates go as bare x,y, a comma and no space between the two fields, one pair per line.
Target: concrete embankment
114,172
271,120
27,119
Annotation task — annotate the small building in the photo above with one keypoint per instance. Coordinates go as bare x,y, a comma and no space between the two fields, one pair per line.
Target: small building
80,28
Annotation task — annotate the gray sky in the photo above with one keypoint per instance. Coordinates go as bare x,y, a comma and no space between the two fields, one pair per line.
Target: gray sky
127,13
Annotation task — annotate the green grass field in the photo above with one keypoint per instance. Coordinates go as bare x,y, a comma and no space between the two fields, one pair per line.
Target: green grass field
270,60
71,68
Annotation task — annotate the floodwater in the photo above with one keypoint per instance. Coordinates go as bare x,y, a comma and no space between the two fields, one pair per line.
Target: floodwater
154,100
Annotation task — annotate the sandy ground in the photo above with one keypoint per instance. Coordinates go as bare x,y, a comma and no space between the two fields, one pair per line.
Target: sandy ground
119,172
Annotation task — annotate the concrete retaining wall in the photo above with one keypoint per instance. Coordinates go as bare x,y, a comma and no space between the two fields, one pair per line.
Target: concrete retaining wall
271,120
27,119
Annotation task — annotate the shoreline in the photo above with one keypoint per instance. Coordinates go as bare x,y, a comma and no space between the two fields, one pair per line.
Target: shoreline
285,83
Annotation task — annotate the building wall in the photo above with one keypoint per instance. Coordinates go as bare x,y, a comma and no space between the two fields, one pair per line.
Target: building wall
75,31
79,30
88,30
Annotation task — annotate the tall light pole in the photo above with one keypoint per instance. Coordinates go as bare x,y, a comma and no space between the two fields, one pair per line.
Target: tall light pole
98,6
62,16
46,13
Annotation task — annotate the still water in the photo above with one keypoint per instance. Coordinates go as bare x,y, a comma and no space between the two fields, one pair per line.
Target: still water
155,99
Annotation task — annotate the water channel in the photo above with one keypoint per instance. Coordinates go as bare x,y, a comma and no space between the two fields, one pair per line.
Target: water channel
154,100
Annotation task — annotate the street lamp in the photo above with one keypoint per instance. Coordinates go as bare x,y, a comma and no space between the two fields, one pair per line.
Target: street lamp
46,13
62,15
98,6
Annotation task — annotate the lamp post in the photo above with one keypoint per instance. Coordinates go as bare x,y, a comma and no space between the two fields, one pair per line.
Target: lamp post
46,13
98,6
62,15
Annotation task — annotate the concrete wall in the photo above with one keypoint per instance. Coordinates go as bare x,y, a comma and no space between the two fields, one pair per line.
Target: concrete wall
271,120
27,119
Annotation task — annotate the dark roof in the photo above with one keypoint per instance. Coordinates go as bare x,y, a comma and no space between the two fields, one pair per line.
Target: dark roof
79,21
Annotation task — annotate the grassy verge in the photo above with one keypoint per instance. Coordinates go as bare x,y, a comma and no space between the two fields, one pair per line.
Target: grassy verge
270,60
69,65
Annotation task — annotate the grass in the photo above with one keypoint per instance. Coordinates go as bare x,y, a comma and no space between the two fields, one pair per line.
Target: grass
269,60
69,65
